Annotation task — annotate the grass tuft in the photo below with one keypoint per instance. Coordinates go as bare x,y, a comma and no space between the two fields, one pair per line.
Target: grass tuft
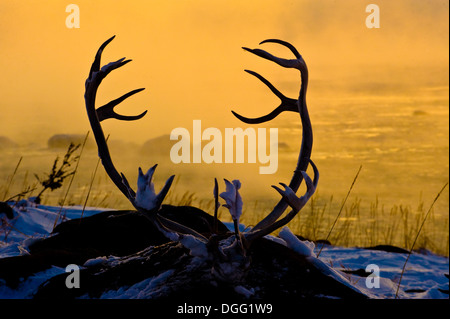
417,236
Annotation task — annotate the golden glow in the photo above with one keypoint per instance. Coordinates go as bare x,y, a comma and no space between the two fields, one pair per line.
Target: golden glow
377,97
187,54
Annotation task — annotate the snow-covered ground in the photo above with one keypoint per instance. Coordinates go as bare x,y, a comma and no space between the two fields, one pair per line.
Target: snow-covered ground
424,276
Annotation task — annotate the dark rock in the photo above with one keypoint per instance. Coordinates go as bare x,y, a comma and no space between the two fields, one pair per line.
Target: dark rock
121,233
141,253
318,241
419,113
100,278
158,146
412,291
283,146
59,141
117,233
7,143
276,272
357,272
7,210
14,269
389,249
444,291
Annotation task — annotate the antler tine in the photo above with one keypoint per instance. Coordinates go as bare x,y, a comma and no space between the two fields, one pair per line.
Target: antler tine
145,200
287,63
107,111
296,203
96,64
178,228
96,75
289,105
284,43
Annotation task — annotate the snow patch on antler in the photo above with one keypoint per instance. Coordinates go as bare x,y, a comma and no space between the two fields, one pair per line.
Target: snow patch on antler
304,248
145,195
196,246
233,199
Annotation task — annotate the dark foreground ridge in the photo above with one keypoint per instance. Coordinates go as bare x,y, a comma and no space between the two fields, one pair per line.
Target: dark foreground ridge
130,252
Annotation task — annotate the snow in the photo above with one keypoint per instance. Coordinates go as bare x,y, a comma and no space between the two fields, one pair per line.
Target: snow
32,222
195,245
148,288
145,195
424,276
242,227
27,287
335,274
301,247
423,271
101,261
244,291
233,198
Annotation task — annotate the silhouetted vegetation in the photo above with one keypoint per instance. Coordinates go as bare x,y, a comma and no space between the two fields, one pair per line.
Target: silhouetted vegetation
56,177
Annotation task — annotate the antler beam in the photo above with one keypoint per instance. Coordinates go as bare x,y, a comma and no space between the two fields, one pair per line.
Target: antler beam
287,104
147,202
296,203
146,199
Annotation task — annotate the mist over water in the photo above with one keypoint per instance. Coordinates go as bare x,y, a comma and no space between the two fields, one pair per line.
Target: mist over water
402,146
401,142
188,56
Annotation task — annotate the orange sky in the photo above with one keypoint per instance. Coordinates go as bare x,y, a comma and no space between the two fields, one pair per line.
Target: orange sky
187,54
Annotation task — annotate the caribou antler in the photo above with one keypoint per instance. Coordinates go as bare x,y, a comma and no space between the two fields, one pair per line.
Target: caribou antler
296,203
147,202
272,222
146,198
